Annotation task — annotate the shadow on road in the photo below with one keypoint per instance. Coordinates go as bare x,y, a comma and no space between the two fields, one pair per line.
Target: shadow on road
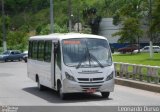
52,96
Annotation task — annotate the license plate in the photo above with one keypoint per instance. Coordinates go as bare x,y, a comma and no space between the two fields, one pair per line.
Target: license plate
91,90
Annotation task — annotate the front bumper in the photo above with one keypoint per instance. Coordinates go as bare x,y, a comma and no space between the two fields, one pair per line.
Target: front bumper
77,87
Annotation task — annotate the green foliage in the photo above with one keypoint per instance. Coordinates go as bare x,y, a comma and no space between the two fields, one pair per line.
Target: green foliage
16,6
7,22
7,26
109,7
0,32
130,31
34,16
140,58
43,30
17,40
155,27
1,50
129,15
116,19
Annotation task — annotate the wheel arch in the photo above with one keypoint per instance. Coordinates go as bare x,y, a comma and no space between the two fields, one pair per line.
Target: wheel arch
36,78
59,84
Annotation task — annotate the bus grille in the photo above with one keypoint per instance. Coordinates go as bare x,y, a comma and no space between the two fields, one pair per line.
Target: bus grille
90,80
90,83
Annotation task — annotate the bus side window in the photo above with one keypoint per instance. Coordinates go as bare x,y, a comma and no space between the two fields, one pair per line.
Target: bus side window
58,58
47,51
40,56
30,50
34,49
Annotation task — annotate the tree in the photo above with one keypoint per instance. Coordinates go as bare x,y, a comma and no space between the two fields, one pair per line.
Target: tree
17,40
129,15
155,27
0,32
111,6
7,26
130,31
91,18
44,30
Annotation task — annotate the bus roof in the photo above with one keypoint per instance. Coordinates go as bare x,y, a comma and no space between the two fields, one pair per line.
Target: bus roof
61,36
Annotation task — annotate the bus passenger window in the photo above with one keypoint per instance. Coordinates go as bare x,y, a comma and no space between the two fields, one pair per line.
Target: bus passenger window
41,50
30,50
58,58
34,50
47,52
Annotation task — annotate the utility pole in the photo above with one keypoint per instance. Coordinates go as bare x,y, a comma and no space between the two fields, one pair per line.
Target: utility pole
150,31
51,16
70,15
78,20
3,28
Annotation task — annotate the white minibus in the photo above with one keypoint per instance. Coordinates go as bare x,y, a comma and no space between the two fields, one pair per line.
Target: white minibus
71,63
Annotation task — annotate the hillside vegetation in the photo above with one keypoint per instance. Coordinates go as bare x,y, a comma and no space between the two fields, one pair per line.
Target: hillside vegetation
24,18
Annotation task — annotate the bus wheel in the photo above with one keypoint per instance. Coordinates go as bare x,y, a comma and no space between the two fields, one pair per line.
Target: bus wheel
105,94
40,87
61,94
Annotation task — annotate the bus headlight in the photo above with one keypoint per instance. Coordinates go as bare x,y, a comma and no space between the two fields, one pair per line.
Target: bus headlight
109,77
69,77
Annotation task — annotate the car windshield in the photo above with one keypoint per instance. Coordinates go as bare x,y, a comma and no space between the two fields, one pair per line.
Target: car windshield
86,53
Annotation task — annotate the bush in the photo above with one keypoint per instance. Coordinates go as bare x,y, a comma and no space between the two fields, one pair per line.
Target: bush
1,49
44,30
17,40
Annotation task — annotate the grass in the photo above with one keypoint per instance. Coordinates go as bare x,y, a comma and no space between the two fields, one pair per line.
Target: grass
140,58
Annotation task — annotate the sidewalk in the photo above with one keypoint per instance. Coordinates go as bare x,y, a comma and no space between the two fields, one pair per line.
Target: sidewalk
138,84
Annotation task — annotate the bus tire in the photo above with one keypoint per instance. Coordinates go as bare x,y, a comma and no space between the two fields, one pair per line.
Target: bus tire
61,94
105,94
40,87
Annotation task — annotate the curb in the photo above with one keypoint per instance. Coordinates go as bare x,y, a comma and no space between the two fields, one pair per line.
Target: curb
138,84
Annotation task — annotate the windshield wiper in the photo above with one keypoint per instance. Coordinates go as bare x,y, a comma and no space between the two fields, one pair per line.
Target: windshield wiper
90,56
83,59
95,59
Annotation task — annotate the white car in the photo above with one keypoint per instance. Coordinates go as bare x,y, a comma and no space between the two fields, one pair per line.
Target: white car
156,49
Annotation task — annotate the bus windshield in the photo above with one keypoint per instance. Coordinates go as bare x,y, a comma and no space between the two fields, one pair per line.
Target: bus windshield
88,52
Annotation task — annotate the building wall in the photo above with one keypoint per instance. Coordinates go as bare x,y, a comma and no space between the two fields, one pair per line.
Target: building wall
107,29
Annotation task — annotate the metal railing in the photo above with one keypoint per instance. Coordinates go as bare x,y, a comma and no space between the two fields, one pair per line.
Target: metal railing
145,73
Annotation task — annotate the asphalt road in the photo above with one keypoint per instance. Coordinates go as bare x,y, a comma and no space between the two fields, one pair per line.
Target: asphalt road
18,90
